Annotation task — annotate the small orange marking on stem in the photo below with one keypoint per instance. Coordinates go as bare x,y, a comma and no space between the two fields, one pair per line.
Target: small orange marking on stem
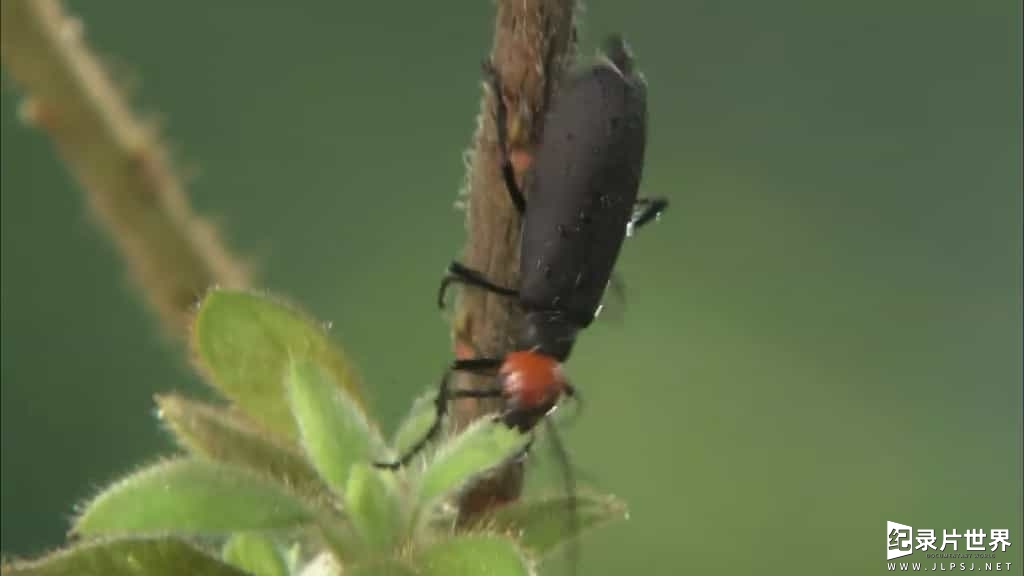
521,161
463,350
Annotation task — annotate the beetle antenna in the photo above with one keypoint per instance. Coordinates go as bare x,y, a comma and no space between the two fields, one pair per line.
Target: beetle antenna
572,524
573,394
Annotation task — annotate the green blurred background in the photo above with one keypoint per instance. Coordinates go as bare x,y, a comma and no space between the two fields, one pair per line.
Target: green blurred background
824,333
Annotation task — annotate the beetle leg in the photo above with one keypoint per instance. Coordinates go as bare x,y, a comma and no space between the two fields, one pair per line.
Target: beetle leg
647,209
481,365
459,274
481,393
508,173
441,408
444,395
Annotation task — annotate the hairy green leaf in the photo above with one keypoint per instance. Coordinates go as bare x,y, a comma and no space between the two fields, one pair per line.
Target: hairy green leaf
223,435
416,423
477,554
542,525
192,497
323,564
255,553
245,341
333,431
125,557
481,447
382,568
373,506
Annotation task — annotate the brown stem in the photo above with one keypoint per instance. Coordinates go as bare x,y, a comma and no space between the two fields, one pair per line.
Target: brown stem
119,161
534,42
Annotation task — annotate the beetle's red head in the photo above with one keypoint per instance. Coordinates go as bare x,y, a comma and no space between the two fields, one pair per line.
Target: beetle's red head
531,380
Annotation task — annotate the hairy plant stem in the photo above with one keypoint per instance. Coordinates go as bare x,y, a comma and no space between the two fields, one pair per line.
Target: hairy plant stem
173,255
534,43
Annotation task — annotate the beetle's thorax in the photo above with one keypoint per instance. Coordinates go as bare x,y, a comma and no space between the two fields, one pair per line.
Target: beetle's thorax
532,383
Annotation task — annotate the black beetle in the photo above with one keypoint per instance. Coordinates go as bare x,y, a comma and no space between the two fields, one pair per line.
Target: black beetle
583,186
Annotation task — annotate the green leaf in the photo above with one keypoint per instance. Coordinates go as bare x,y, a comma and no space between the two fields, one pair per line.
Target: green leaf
477,554
191,497
254,553
481,447
125,557
293,556
382,568
415,425
333,431
324,564
373,505
245,341
540,526
222,435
